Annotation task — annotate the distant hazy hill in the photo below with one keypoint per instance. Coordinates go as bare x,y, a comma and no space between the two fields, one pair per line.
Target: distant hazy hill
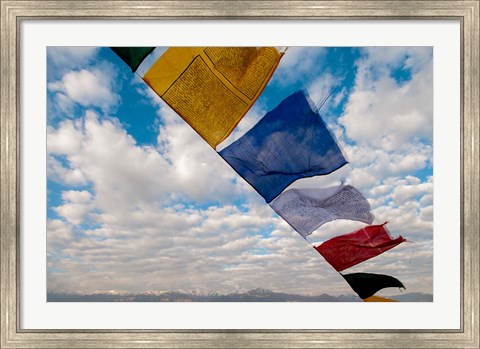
256,295
414,297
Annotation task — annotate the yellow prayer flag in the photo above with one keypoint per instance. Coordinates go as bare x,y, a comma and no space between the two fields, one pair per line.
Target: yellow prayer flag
212,88
378,299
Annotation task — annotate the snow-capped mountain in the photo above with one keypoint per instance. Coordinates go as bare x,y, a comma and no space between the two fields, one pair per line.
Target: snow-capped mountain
201,295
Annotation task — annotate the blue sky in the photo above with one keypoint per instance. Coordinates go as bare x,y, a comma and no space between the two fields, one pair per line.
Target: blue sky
138,201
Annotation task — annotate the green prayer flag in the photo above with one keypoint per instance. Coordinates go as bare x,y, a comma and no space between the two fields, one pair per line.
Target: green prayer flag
366,284
133,56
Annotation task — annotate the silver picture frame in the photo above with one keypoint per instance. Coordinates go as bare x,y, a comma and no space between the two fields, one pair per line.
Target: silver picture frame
14,12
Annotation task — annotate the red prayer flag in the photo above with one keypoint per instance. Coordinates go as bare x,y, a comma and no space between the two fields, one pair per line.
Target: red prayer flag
347,250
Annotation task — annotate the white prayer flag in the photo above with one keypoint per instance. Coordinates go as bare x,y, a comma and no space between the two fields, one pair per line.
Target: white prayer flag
308,209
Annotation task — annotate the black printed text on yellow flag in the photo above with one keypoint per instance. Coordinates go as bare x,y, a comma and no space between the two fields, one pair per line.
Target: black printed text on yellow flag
212,88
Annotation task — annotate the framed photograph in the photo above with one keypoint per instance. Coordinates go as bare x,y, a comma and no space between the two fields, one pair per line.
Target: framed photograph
127,222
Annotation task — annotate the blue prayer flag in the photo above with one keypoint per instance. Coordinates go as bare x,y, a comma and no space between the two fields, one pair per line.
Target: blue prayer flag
288,143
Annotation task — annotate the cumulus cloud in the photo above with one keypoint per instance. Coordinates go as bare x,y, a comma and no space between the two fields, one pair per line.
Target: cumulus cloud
68,57
321,89
405,192
384,112
297,64
121,173
76,204
196,167
59,235
211,253
128,178
371,165
59,173
65,139
92,87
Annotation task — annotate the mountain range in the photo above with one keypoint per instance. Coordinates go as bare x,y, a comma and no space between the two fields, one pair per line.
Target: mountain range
199,295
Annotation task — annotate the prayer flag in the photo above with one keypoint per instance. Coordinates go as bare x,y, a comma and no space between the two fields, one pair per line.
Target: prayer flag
133,56
347,250
378,299
308,209
366,284
212,88
288,143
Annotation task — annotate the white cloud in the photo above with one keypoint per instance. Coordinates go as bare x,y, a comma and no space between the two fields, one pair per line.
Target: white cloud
70,57
77,196
387,114
215,251
93,87
73,213
66,139
426,213
60,104
126,177
370,165
427,200
59,235
406,192
321,89
196,167
297,64
380,190
406,219
76,205
58,173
